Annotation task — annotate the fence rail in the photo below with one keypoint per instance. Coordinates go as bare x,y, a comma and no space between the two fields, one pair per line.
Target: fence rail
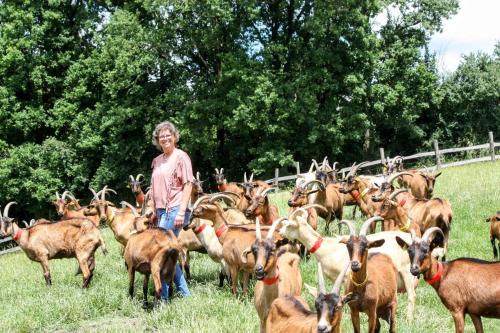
437,154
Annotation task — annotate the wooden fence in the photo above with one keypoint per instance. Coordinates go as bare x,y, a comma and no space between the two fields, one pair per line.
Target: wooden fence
437,153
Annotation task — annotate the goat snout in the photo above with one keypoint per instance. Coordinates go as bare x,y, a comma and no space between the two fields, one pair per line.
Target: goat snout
259,272
248,213
355,266
323,329
290,203
415,270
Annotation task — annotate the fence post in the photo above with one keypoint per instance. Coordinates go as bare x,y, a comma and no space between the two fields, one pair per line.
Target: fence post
297,166
436,151
276,176
492,146
382,156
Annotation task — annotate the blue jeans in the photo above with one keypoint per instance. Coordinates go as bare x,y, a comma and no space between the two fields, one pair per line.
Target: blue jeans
166,220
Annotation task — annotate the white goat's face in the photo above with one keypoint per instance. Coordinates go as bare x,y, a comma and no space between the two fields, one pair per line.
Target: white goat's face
289,229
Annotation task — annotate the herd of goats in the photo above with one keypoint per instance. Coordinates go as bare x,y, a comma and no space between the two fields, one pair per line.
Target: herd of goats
236,228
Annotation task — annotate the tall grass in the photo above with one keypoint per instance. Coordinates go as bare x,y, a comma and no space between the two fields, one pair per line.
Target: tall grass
28,306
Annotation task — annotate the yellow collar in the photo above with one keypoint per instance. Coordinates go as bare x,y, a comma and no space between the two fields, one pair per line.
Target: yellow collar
406,227
358,284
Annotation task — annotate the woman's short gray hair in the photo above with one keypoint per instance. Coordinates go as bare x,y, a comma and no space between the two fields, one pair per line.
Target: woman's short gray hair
164,125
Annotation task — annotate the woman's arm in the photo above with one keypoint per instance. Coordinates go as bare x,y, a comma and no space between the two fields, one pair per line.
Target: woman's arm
186,195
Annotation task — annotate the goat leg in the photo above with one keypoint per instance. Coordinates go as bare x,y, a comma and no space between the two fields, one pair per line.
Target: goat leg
355,320
131,280
458,318
83,261
478,324
221,278
46,272
145,289
495,253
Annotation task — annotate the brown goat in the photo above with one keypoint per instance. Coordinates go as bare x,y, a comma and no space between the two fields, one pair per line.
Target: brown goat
277,273
73,238
373,280
421,184
151,252
291,314
260,208
135,186
494,232
464,285
234,239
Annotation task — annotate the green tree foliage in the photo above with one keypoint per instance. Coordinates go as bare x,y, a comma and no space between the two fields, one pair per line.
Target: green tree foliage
252,85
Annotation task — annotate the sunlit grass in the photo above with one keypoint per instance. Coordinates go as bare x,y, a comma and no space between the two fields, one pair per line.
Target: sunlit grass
28,306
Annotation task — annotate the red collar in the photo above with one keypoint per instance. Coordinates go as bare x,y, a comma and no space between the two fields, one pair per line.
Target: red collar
437,277
221,230
402,202
355,194
200,229
316,245
221,187
273,280
17,235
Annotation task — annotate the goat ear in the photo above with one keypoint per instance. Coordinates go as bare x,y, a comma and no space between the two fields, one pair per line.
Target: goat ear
313,291
438,174
244,254
377,243
344,239
488,219
109,203
401,242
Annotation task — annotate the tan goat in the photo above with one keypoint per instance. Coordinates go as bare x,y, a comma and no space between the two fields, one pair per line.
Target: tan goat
494,232
151,252
72,238
291,314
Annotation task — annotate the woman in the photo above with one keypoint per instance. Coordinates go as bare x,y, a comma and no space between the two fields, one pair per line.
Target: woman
171,184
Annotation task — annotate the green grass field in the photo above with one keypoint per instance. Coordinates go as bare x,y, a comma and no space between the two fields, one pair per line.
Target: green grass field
29,306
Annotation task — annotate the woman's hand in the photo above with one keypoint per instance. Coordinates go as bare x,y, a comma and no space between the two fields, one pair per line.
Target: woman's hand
179,221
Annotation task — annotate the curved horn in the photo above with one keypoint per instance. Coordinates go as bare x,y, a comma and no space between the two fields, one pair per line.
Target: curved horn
273,227
71,196
197,175
367,223
357,167
95,194
57,195
321,280
245,177
63,196
217,171
258,234
134,211
222,195
311,167
251,178
312,181
340,279
350,225
139,176
197,202
323,208
334,166
131,178
396,175
6,209
353,168
298,210
429,232
267,190
221,170
103,192
315,164
395,193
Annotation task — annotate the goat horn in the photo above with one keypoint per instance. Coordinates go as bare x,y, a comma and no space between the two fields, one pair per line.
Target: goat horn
315,164
221,195
353,168
63,196
131,178
267,190
312,181
350,225
217,171
413,235
251,178
197,175
367,223
25,223
314,206
298,210
245,178
311,167
273,227
334,166
321,280
139,176
429,232
396,175
96,196
197,202
338,281
221,170
103,192
6,209
71,196
395,193
258,234
134,211
57,195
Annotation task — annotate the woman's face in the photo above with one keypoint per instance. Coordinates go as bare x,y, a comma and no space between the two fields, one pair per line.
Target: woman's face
166,140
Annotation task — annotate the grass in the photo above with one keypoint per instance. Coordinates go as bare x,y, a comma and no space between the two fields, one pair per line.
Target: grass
29,306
